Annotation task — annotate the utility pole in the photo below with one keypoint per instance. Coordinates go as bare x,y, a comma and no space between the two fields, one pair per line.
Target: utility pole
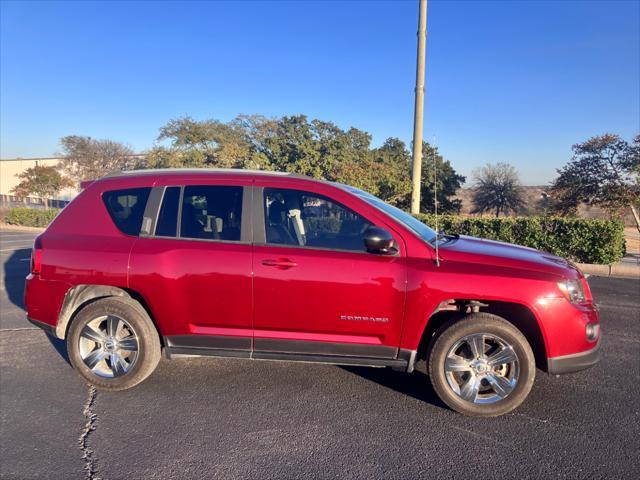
416,175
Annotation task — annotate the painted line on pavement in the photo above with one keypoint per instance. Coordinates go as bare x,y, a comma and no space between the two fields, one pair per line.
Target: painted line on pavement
13,309
23,237
18,329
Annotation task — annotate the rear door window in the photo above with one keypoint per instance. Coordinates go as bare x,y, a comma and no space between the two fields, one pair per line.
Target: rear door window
126,208
211,212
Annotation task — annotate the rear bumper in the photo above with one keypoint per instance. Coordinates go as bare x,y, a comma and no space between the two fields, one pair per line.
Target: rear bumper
575,362
43,300
50,329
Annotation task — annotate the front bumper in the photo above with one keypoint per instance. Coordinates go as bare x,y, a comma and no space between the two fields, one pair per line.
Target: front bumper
575,362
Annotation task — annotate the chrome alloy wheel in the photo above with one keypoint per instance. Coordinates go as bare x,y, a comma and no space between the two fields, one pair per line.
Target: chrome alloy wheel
108,346
482,368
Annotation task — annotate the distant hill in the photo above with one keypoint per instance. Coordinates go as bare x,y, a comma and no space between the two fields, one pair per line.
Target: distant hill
532,195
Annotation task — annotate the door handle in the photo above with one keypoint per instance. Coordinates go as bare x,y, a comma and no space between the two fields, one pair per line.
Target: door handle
281,263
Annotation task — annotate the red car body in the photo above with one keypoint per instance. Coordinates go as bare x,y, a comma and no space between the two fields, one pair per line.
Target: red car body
251,299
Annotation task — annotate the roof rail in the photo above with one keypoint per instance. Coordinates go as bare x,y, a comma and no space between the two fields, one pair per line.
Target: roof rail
203,171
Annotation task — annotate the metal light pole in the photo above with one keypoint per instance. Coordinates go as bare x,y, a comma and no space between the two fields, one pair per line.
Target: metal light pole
416,175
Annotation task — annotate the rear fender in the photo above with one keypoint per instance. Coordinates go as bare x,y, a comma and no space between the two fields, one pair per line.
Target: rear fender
78,296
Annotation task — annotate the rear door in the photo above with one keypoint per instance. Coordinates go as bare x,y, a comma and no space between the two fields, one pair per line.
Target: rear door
194,266
316,290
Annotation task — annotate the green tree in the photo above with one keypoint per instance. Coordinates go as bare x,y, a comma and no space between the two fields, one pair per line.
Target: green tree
257,130
393,180
604,171
434,166
497,188
294,147
389,172
44,182
296,144
193,143
85,158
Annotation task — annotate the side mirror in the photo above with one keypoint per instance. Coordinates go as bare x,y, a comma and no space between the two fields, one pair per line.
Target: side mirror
378,240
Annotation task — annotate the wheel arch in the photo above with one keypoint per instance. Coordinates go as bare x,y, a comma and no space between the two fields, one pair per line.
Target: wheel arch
519,315
80,296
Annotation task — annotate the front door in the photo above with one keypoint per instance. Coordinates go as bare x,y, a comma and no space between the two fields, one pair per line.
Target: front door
316,290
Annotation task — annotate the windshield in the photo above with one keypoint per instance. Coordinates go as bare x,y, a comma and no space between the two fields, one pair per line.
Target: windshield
409,221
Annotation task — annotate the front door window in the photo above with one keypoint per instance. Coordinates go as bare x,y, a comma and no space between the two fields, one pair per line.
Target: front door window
295,217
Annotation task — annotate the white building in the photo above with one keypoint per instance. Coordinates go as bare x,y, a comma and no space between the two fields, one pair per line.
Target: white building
10,168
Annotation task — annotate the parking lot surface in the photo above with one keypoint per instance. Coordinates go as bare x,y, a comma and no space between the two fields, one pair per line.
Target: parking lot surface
221,418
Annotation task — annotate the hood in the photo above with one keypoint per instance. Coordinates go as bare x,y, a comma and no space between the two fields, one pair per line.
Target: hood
501,254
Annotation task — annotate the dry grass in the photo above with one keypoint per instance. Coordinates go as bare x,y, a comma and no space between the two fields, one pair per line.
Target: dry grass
632,239
19,228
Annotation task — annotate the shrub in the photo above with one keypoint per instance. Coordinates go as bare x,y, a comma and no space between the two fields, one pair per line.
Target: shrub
578,239
30,217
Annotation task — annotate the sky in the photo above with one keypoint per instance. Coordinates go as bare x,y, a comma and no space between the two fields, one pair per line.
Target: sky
506,81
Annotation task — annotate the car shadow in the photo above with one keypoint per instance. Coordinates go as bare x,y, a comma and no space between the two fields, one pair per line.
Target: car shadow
415,384
16,268
60,347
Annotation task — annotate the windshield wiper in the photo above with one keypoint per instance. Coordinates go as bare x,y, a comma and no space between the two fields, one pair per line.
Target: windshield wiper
442,237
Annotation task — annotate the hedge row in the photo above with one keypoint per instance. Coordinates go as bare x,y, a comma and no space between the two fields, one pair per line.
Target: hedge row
31,217
580,240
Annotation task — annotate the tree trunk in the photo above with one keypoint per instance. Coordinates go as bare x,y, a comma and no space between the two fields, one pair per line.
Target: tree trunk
635,216
45,200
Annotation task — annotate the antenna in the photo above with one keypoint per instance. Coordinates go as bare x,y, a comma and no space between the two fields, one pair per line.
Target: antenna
435,195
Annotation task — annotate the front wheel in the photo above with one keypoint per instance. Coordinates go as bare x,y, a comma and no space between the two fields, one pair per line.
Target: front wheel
481,365
113,343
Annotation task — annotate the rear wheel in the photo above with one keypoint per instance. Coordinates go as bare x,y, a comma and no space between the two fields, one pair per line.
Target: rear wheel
113,343
481,365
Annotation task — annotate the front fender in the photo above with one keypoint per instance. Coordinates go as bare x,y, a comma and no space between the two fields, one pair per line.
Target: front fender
430,288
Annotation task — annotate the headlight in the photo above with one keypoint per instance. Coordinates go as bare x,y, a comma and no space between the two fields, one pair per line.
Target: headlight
572,290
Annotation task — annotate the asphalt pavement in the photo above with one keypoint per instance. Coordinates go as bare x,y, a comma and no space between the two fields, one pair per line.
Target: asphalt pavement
220,418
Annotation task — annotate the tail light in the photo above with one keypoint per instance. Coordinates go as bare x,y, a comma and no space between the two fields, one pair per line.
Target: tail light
36,256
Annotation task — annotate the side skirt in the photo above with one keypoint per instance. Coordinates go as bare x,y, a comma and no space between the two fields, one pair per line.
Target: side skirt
179,349
173,352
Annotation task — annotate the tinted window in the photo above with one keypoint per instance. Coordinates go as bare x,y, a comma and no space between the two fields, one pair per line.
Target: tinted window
126,208
211,212
294,217
168,218
422,230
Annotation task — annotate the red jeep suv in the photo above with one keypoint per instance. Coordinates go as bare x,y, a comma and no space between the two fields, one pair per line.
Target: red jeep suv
277,266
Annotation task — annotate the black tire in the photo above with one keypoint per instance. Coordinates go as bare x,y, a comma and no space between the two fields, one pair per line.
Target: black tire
148,342
493,326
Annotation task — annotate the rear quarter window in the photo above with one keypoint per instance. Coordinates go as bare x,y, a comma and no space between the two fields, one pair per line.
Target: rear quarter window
126,208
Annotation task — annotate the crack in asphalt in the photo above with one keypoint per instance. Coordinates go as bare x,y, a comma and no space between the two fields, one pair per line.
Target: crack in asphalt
486,437
90,425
